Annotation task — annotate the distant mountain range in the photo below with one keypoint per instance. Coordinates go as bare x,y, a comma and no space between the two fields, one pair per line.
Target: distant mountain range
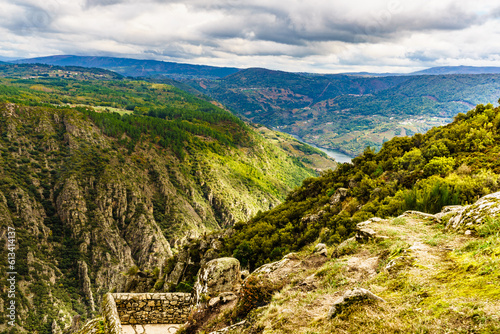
147,68
442,70
136,67
347,112
458,70
344,112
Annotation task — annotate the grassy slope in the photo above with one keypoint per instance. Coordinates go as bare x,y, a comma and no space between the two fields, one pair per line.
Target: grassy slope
444,282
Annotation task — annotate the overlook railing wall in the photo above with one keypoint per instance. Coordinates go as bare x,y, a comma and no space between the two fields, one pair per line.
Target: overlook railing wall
153,308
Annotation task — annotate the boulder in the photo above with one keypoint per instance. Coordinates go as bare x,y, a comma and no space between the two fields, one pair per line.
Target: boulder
346,247
339,195
223,298
270,267
352,296
476,214
314,217
320,249
365,234
450,209
218,276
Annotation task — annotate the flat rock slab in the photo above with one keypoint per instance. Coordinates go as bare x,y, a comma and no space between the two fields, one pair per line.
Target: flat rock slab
150,329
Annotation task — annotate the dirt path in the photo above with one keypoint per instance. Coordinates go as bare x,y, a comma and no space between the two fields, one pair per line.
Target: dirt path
150,329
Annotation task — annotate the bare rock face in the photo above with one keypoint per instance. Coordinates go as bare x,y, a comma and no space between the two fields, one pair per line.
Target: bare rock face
352,296
218,276
273,266
55,328
83,272
365,234
475,215
450,209
338,196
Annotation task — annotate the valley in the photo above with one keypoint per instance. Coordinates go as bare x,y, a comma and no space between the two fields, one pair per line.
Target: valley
341,112
349,113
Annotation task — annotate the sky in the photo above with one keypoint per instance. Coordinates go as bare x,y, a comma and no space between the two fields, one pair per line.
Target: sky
320,36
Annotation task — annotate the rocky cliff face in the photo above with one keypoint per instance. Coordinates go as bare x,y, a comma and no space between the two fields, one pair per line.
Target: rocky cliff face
88,210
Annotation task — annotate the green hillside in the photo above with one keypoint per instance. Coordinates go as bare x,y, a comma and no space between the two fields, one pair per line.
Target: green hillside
100,175
453,164
348,113
136,67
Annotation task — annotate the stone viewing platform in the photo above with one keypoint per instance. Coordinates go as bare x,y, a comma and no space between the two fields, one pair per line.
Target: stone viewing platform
145,308
153,308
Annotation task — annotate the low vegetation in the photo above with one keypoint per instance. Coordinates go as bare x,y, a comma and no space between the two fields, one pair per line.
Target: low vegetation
448,285
453,164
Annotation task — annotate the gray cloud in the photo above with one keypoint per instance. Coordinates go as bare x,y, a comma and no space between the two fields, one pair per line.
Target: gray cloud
319,33
97,3
32,20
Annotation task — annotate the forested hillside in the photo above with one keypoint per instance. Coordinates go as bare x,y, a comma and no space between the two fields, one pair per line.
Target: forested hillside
136,67
348,113
453,164
100,176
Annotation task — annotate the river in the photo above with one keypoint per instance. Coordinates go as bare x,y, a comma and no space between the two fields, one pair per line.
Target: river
338,156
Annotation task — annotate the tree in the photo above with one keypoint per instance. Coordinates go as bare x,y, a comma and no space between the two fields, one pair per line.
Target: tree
410,160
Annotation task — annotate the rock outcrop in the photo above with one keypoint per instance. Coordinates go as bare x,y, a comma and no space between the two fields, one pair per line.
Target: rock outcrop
321,249
350,297
216,277
91,207
471,217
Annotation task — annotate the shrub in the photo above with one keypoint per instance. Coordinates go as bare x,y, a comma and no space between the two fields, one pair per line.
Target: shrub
439,166
256,291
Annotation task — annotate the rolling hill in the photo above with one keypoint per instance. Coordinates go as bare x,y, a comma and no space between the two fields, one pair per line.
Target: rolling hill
459,70
135,67
348,113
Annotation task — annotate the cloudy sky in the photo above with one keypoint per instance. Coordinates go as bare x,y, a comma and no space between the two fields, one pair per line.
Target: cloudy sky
326,36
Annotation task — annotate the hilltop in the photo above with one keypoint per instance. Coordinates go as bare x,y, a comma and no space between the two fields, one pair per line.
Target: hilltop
453,164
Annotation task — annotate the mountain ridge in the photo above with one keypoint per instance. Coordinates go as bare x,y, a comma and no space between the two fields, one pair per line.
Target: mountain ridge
135,67
348,113
217,71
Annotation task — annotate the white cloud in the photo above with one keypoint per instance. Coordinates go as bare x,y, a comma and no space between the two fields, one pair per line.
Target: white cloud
295,35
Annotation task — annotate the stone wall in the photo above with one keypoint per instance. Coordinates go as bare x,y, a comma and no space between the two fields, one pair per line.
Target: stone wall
153,308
